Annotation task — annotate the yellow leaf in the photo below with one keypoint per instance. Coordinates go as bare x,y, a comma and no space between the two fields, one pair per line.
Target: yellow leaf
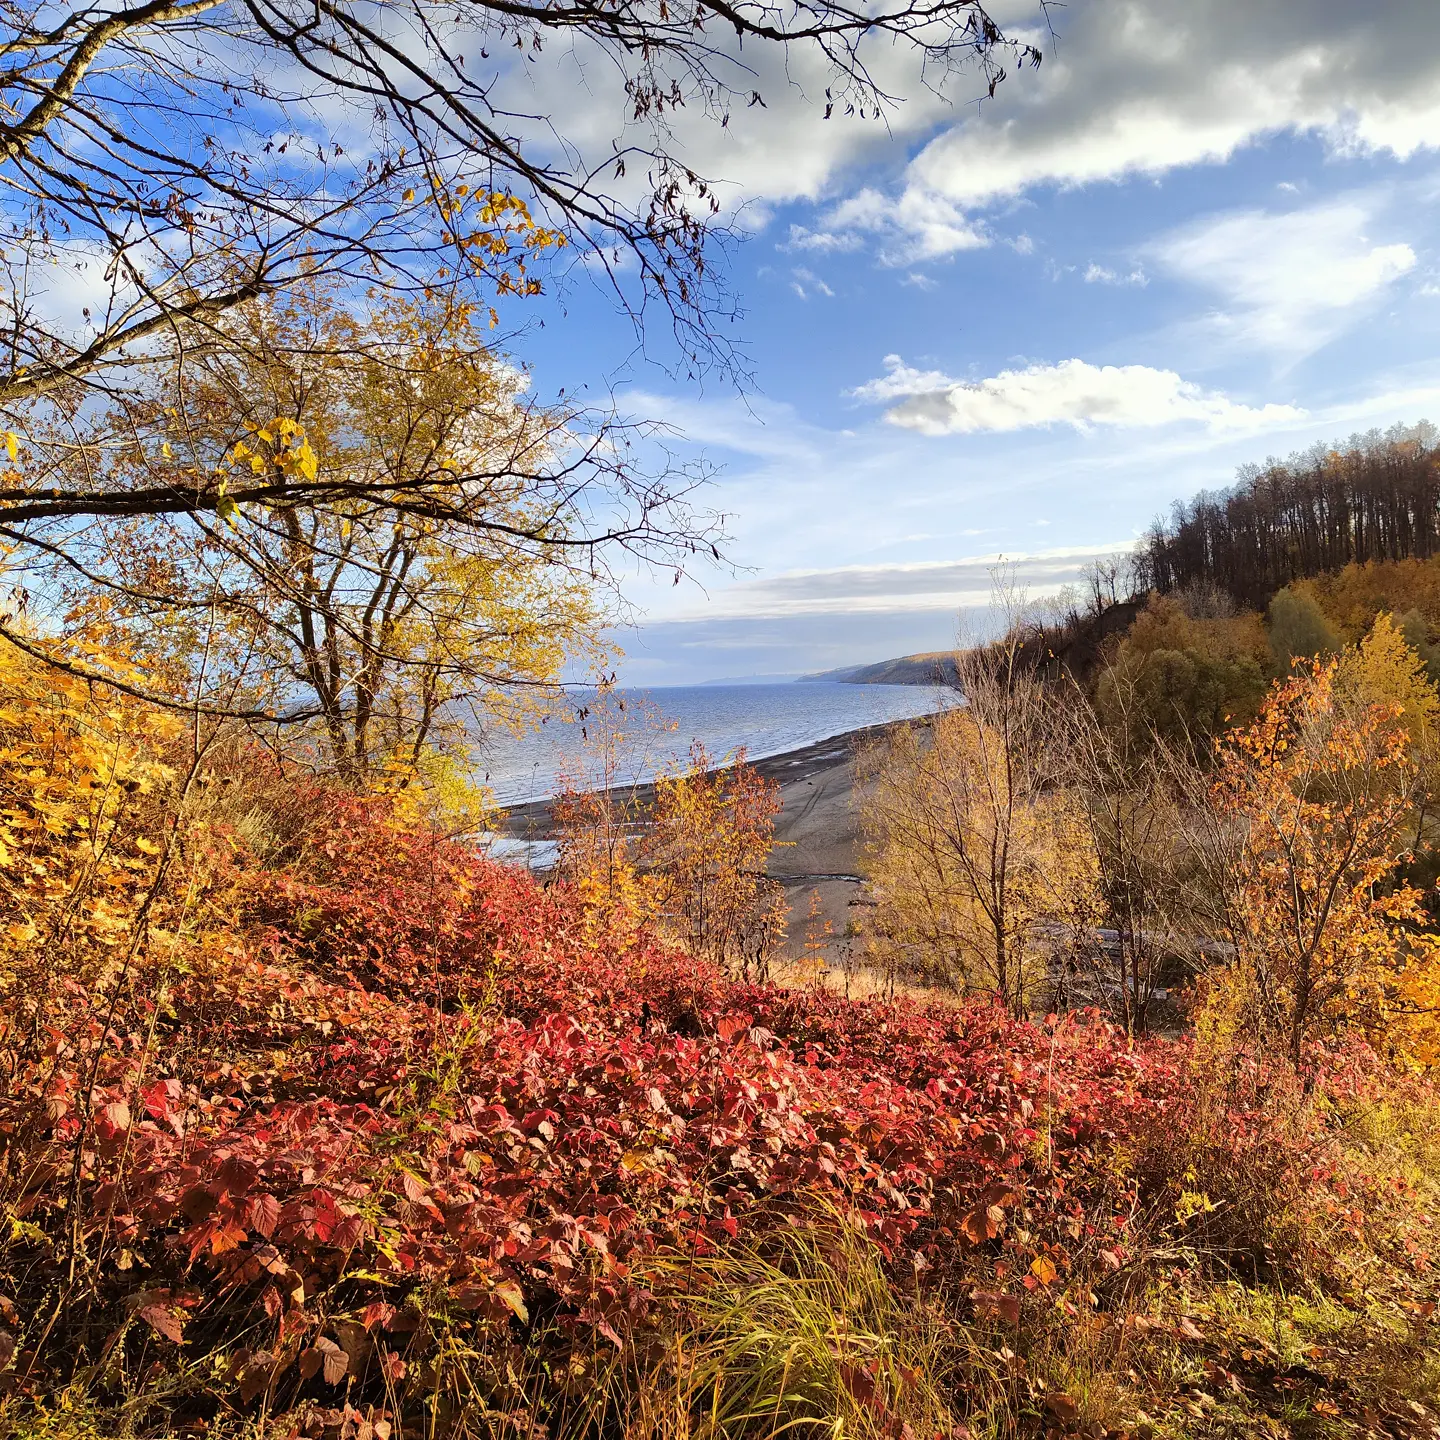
165,449
12,444
1042,1269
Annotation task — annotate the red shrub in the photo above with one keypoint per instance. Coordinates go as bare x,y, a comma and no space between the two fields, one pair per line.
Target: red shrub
426,1099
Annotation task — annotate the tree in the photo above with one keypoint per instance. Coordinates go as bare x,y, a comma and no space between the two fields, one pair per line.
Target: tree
1314,794
1385,670
1374,498
688,860
1416,630
1180,679
703,853
452,552
598,814
978,869
187,156
1131,787
1298,628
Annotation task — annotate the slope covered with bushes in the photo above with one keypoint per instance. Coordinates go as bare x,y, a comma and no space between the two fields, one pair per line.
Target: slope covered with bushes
316,1123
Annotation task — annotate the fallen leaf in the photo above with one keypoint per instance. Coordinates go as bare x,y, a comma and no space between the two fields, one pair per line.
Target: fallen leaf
164,1321
1062,1407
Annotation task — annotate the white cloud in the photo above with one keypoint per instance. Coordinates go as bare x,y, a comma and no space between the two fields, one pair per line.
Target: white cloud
1104,275
926,585
1289,281
806,283
1142,87
1072,392
825,242
1130,87
915,226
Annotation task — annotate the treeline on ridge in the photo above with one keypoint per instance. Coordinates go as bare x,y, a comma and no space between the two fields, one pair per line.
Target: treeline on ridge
1377,498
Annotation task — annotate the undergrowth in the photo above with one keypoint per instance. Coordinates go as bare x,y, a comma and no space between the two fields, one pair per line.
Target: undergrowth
314,1122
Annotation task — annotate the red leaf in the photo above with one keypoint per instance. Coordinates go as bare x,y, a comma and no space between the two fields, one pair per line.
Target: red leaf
237,1175
164,1320
264,1214
197,1202
992,1302
116,1116
729,1026
860,1384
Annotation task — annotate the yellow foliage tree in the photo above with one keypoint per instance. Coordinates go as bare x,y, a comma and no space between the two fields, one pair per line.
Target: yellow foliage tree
1316,792
979,864
704,854
449,558
598,814
1385,670
689,861
70,771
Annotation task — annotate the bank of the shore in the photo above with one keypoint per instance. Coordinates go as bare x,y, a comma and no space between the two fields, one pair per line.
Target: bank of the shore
819,847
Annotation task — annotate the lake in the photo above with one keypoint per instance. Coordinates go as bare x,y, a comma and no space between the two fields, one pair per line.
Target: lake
649,731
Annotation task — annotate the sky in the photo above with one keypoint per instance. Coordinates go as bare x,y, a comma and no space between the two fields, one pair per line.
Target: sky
1197,235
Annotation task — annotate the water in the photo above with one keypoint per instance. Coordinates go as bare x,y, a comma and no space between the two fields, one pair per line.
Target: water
653,730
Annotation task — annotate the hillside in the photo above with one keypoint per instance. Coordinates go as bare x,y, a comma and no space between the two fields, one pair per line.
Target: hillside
934,667
371,1138
1077,646
1373,498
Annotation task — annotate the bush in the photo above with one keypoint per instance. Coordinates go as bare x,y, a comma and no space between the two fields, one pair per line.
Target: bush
315,1122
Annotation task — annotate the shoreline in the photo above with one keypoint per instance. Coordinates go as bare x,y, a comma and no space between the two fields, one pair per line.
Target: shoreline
818,858
532,820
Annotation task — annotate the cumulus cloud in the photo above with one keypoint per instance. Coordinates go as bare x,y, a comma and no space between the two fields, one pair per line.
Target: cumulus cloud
913,227
1072,392
1289,281
1141,87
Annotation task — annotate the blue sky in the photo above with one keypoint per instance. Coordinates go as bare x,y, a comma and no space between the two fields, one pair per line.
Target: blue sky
1197,236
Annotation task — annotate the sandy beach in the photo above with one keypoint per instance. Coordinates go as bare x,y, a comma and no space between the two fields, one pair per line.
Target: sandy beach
817,832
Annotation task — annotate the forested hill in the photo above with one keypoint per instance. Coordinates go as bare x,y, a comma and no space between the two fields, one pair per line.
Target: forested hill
934,667
1377,498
